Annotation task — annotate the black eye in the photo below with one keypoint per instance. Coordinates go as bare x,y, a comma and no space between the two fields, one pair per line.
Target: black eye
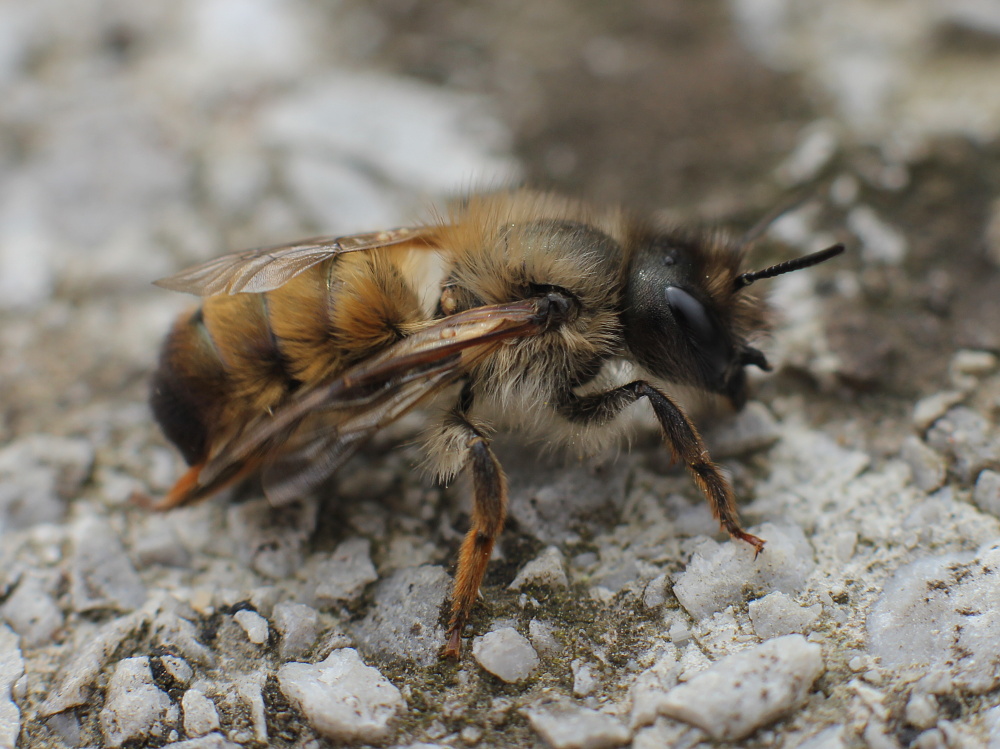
690,314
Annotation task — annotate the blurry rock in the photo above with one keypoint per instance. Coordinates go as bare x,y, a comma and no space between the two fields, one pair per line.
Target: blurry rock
933,407
743,692
721,574
969,439
32,612
38,473
272,539
543,637
101,574
929,469
652,686
199,713
341,697
776,614
11,669
940,614
987,492
752,429
297,625
134,708
506,654
568,726
253,624
585,677
342,575
76,676
548,569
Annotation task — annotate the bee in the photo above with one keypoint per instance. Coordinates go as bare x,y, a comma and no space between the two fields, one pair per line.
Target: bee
517,307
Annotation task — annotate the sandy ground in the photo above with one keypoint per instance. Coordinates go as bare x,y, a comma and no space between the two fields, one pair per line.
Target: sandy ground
136,139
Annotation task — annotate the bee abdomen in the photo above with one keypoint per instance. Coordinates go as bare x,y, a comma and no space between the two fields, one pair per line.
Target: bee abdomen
188,388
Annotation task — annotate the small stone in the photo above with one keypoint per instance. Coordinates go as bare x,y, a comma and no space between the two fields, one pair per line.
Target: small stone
548,569
751,430
543,637
38,473
253,624
968,438
745,691
652,686
177,669
210,741
11,669
506,654
403,622
272,540
249,690
720,574
101,574
298,625
343,575
585,677
341,697
655,592
830,738
32,612
881,244
929,468
933,407
973,363
567,726
987,492
921,710
134,708
76,677
776,614
200,715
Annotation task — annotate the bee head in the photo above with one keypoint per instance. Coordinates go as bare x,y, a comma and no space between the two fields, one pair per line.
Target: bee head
687,318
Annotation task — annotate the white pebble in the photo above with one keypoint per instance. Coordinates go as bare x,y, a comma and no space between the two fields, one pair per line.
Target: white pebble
253,624
134,707
506,654
200,715
585,679
343,575
929,468
986,495
11,669
747,690
933,407
776,614
341,697
652,686
298,626
566,726
720,575
543,637
547,569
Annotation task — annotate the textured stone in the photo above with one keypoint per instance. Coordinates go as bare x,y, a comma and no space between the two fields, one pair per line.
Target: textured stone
777,614
506,654
548,569
403,622
566,726
298,626
134,708
745,691
11,669
341,697
199,713
343,575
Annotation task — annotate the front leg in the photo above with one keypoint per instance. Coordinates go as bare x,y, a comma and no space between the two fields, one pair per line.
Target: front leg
460,443
679,434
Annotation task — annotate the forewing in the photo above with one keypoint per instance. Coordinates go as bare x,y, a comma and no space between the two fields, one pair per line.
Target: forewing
364,399
267,268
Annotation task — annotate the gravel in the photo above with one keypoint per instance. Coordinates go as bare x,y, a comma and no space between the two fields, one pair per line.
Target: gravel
11,669
134,708
566,726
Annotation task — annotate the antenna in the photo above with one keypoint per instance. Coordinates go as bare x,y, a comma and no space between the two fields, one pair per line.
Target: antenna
745,279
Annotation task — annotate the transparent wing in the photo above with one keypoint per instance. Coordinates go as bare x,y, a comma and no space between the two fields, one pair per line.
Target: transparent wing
267,268
341,414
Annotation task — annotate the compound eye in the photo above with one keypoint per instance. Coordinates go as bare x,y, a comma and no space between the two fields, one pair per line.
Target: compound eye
690,314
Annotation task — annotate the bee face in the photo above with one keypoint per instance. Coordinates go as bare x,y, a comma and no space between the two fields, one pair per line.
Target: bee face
683,319
300,353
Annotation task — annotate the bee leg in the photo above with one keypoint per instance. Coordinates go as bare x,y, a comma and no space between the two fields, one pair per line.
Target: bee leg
489,510
679,433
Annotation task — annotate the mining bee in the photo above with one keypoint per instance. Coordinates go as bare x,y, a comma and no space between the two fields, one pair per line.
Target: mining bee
518,307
